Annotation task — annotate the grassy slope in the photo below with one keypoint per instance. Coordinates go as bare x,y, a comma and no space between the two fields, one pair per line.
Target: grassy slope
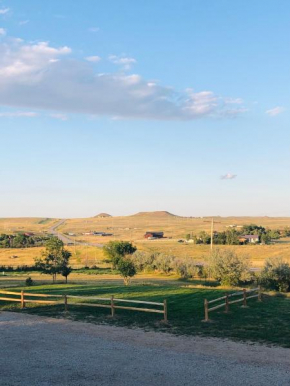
266,322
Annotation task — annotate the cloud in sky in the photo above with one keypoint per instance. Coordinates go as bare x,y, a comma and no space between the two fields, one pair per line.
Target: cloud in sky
93,59
3,11
94,29
23,22
61,117
2,32
18,114
124,61
275,111
40,76
228,176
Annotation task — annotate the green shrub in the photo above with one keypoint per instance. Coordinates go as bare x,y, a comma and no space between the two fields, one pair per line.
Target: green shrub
228,268
276,275
29,282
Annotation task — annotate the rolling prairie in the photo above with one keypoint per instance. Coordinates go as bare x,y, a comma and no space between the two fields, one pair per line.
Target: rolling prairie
133,228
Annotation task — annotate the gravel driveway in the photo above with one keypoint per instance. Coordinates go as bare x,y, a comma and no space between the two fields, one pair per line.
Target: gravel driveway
38,351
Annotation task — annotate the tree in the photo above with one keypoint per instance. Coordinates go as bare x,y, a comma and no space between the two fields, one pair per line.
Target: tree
127,269
116,250
228,268
204,237
65,271
54,259
232,237
276,275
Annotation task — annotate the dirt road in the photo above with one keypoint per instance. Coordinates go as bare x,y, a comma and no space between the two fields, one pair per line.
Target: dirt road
44,351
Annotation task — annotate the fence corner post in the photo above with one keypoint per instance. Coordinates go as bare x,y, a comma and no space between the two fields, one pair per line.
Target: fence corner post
259,294
22,299
65,303
206,310
227,303
112,306
244,297
165,311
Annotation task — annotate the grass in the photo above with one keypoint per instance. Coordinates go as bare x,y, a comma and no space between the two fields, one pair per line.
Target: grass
266,322
133,228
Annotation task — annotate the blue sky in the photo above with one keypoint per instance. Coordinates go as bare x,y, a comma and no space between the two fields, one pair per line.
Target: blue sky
122,106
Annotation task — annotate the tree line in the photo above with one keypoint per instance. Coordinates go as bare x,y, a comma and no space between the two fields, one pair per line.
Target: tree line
21,240
233,236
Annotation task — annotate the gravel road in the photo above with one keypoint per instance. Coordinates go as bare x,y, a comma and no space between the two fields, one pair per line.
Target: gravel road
44,351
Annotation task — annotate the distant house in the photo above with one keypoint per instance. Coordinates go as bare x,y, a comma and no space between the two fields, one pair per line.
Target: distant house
156,235
249,239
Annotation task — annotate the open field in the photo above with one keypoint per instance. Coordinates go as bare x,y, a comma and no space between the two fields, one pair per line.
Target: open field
133,228
83,255
266,322
26,224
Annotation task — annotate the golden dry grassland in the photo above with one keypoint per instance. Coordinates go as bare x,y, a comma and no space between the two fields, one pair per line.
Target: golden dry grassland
133,228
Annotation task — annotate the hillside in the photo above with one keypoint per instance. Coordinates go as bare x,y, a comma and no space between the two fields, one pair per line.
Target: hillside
155,214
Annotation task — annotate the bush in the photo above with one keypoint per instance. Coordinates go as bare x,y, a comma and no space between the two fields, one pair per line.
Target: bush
29,282
164,263
143,260
276,275
228,268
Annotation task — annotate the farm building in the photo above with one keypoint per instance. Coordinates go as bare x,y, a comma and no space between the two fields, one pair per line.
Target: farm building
249,239
157,235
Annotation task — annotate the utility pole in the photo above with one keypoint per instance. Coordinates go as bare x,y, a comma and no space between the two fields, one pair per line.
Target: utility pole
211,231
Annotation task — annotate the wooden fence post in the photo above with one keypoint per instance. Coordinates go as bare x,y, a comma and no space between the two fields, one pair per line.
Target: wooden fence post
112,306
206,310
259,294
244,297
65,303
227,303
22,299
165,311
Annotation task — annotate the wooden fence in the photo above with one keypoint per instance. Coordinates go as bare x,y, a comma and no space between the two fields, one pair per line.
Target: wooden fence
226,300
111,302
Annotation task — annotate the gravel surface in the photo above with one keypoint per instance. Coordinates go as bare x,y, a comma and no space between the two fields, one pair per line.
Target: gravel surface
44,351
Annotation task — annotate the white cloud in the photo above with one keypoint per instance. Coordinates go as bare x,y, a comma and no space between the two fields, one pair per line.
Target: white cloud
39,76
235,101
275,111
18,114
23,22
2,32
94,29
3,11
93,59
228,176
126,62
19,60
61,117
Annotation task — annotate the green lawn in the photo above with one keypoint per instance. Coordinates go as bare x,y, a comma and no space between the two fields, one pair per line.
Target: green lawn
267,322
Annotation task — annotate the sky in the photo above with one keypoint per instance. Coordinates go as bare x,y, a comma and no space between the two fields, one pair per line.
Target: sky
122,106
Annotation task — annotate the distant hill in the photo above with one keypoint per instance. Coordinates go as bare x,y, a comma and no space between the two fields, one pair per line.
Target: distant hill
156,214
102,215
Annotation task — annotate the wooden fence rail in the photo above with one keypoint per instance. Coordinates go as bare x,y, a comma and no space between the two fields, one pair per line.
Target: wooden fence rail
23,298
227,300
